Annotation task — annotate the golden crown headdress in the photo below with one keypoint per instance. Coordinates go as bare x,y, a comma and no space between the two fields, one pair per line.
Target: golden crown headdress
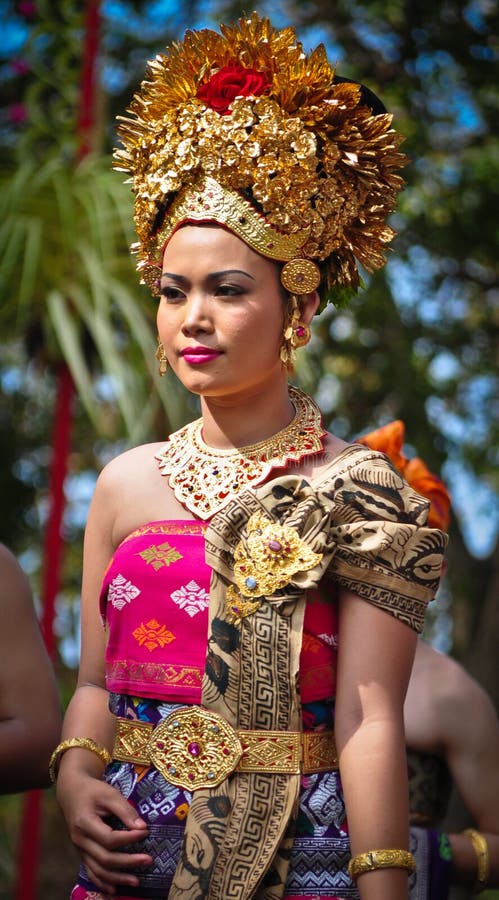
243,128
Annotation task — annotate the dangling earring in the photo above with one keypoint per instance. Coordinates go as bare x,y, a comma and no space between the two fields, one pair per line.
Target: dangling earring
162,359
295,333
300,336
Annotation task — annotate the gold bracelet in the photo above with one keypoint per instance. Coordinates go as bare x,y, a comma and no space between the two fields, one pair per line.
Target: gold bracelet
481,849
380,859
85,743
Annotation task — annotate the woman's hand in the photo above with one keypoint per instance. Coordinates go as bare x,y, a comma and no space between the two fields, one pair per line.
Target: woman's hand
89,805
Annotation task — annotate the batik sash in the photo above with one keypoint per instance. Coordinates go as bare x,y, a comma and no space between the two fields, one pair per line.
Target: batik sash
238,835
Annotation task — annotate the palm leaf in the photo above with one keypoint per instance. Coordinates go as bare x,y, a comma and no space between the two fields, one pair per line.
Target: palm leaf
64,262
69,340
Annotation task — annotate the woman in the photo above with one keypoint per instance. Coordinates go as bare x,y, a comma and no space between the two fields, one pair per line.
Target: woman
441,696
242,548
27,686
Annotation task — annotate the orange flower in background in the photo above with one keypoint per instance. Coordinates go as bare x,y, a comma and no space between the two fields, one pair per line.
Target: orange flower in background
424,482
389,440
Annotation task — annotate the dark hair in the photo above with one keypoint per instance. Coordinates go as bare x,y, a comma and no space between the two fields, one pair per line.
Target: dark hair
367,96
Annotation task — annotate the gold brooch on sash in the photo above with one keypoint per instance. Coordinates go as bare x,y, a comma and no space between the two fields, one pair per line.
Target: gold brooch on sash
265,561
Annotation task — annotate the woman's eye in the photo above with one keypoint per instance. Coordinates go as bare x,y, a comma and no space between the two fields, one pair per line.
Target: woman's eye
229,290
171,294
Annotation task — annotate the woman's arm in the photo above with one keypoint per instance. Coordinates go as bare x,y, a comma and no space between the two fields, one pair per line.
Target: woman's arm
472,755
86,801
30,718
374,662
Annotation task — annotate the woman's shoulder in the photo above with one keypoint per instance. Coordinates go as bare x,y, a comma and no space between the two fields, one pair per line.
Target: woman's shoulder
135,463
131,457
131,491
364,484
342,457
13,577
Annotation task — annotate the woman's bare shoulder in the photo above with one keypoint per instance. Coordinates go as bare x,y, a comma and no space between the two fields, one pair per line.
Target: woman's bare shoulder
334,445
130,459
131,492
13,580
335,449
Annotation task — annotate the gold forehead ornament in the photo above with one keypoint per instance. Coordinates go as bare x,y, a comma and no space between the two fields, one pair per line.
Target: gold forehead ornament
209,201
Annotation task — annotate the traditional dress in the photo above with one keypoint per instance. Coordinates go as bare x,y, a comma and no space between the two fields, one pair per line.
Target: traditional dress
188,625
430,785
243,129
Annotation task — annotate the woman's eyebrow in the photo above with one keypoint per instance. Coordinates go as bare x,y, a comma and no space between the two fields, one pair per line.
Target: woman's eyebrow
225,272
181,279
174,277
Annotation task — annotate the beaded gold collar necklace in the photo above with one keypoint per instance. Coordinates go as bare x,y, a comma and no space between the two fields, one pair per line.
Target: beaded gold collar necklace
204,479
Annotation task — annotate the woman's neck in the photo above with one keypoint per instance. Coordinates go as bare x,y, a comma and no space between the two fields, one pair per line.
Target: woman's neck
237,422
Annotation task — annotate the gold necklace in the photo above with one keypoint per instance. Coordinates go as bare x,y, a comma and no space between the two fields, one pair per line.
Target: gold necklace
204,479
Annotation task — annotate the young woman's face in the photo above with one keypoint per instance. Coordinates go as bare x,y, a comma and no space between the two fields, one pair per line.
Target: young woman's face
221,313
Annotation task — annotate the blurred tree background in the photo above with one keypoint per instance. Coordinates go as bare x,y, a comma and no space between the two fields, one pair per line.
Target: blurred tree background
419,344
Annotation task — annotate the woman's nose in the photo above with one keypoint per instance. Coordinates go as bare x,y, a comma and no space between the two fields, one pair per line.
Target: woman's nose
197,315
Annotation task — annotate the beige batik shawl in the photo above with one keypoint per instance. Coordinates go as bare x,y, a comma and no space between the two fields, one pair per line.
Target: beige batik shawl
364,526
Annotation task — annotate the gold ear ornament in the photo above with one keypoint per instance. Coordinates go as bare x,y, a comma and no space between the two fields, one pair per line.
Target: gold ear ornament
162,359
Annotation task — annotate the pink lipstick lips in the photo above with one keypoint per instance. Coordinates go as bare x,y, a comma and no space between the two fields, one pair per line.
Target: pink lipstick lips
198,355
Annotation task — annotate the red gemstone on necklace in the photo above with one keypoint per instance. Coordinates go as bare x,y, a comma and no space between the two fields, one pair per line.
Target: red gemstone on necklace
194,748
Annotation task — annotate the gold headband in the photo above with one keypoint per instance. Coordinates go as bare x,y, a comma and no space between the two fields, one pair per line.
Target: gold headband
208,201
242,125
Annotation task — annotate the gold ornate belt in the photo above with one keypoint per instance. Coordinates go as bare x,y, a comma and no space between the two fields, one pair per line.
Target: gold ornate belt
193,748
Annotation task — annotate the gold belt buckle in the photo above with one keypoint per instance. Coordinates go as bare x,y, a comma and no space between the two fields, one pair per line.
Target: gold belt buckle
194,748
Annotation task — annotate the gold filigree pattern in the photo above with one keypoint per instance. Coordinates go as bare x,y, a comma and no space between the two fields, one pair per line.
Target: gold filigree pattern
193,748
160,555
238,607
182,678
206,200
310,156
175,527
380,859
300,276
265,560
204,480
131,743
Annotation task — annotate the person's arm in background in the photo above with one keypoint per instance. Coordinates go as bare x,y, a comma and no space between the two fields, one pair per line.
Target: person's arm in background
449,714
374,662
30,716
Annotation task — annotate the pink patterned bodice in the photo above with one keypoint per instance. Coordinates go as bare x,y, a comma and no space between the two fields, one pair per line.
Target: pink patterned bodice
154,603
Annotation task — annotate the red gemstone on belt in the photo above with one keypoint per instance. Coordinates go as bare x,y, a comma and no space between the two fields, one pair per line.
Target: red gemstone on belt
194,748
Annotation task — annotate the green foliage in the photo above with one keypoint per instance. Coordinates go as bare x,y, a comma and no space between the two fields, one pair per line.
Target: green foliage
433,66
66,275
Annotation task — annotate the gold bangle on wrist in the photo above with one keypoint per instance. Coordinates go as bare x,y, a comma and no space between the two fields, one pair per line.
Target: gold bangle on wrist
85,743
481,849
380,859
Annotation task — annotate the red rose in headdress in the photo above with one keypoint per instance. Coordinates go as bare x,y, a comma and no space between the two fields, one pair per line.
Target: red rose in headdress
230,82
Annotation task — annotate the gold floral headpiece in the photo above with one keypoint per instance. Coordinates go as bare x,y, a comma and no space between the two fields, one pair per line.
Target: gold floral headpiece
244,129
